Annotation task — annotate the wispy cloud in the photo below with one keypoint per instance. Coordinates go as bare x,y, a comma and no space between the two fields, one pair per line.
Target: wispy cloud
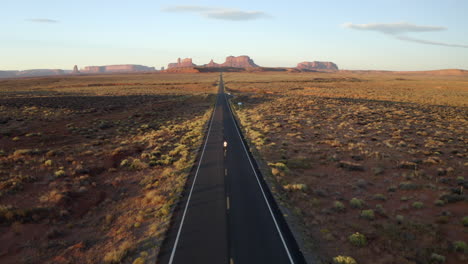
42,20
431,42
399,31
219,13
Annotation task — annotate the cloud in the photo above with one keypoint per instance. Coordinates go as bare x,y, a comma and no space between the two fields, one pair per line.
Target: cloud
398,31
219,13
42,20
393,28
431,42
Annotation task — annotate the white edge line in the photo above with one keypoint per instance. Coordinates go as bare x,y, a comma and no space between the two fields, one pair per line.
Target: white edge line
171,259
258,181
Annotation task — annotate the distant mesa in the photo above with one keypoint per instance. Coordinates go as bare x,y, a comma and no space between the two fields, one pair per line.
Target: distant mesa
31,73
117,68
231,62
317,66
239,62
185,63
245,63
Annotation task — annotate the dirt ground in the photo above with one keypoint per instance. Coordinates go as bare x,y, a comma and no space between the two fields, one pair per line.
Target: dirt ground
91,166
374,165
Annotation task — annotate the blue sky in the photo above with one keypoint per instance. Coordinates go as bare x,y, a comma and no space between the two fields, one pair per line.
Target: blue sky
367,34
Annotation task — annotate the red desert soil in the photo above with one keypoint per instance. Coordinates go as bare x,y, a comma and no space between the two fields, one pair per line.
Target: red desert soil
373,165
91,166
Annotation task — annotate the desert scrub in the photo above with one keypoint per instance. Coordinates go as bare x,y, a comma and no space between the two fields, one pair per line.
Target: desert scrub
338,206
358,240
125,163
139,260
21,152
465,221
137,164
409,186
400,219
295,187
117,255
368,214
460,246
417,205
279,165
356,203
436,258
380,197
60,173
344,260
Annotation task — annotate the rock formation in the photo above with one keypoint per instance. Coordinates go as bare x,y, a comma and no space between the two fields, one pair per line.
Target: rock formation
185,63
117,68
231,62
212,64
234,62
239,62
317,66
75,70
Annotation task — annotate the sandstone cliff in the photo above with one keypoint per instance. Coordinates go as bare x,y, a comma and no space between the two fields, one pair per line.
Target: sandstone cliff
317,66
239,62
231,62
212,64
185,63
234,62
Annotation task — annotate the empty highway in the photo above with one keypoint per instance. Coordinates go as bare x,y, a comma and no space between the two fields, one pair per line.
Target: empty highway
227,214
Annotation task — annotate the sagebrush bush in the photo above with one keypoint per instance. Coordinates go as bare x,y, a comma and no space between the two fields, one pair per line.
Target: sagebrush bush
338,206
295,187
460,246
356,203
358,240
418,205
117,255
60,173
344,260
465,221
436,258
368,214
439,203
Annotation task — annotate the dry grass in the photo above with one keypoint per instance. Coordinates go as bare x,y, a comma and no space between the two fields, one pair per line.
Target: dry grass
397,142
102,158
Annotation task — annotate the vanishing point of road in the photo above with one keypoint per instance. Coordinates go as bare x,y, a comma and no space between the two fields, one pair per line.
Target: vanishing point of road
227,214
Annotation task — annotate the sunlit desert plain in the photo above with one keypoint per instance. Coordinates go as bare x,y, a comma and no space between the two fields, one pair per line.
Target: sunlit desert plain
374,165
371,166
92,166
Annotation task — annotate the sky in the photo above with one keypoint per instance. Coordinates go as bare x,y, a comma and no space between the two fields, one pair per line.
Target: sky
356,35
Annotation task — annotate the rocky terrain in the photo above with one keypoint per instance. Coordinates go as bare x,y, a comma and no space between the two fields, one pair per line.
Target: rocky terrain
317,66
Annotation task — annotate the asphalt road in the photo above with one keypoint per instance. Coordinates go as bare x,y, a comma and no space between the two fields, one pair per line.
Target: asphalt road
227,214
